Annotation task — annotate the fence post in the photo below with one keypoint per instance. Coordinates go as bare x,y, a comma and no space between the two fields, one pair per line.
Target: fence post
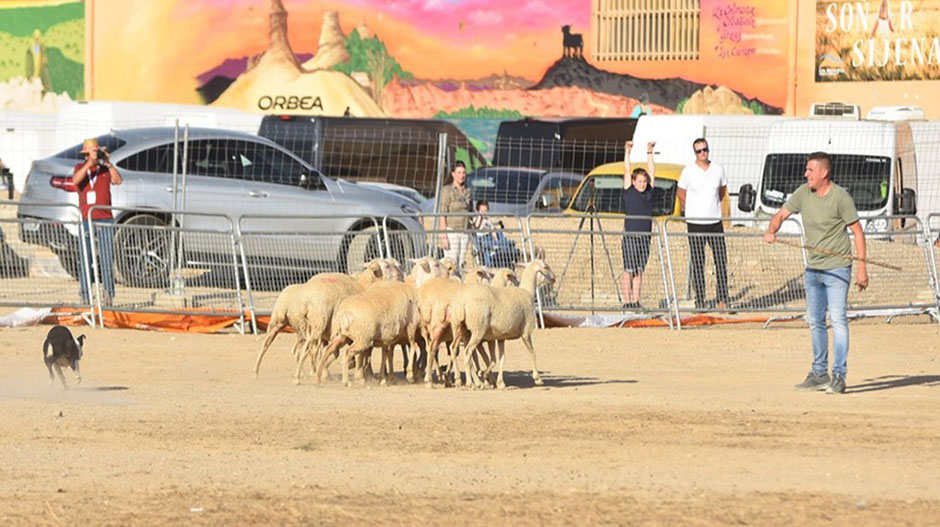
438,185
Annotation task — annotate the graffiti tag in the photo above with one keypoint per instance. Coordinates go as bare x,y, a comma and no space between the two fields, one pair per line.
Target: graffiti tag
730,20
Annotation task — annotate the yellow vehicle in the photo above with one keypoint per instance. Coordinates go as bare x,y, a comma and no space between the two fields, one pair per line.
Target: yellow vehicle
603,188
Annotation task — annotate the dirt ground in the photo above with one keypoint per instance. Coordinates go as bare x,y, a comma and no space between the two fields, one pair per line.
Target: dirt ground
633,426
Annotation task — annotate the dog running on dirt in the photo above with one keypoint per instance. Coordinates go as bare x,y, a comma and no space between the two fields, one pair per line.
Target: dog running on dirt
66,351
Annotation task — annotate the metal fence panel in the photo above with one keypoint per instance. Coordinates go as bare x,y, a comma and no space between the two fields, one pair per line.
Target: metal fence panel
503,246
760,277
158,266
39,263
912,286
276,251
586,254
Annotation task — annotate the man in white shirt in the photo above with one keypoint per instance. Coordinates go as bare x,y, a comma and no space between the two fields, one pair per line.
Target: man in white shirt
702,186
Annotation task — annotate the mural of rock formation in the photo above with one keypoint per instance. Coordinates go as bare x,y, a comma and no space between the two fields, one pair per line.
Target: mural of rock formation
332,48
720,100
422,100
276,83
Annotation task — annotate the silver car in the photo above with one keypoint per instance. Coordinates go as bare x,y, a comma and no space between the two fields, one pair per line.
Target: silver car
227,173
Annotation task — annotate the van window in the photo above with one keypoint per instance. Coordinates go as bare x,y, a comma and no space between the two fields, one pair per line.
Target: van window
503,185
866,178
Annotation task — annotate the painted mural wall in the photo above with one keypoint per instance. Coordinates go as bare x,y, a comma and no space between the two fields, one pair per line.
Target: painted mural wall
472,58
42,54
427,58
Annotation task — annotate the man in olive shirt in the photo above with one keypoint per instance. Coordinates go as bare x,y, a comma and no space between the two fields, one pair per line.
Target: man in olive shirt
826,209
455,198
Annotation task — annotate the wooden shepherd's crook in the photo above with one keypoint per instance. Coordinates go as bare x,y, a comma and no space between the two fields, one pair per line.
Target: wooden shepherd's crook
840,255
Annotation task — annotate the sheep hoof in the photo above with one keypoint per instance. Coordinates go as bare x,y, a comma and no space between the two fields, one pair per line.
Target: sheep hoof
501,385
539,381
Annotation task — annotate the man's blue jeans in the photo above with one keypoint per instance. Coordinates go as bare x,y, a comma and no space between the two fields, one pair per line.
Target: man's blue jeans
104,234
828,290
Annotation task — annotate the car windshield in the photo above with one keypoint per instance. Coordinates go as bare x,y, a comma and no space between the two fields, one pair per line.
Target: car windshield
109,142
867,178
606,192
503,186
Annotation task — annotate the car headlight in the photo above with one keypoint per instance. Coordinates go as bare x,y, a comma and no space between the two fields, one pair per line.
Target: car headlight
876,225
409,209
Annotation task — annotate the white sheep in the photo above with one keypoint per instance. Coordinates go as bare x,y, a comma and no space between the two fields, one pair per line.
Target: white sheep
433,298
481,312
293,303
382,316
325,291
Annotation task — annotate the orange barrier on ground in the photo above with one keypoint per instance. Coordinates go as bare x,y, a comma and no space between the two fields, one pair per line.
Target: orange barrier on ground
196,322
174,322
554,320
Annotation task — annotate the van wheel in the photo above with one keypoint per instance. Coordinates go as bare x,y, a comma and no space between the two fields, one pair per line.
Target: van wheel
362,246
142,252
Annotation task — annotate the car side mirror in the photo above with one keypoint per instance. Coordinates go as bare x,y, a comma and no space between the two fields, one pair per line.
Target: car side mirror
747,197
908,205
564,202
543,202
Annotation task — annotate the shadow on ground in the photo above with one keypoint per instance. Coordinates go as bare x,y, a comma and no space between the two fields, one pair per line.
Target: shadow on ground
888,382
523,379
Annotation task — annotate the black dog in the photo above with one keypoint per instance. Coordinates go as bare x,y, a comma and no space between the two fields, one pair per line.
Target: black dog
66,351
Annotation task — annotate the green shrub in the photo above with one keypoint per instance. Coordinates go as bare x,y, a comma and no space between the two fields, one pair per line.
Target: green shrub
471,112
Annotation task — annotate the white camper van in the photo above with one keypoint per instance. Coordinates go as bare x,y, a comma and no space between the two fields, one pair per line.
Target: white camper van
82,119
736,142
873,160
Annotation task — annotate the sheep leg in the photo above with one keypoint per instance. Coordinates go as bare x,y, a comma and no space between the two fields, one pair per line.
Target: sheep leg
527,340
272,334
459,342
500,383
386,370
314,358
470,349
330,355
488,373
432,363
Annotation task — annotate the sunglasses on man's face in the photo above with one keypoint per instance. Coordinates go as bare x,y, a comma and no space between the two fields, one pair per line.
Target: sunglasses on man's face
700,150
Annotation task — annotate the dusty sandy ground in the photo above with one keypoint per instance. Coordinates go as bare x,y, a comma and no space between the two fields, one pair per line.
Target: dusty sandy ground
633,426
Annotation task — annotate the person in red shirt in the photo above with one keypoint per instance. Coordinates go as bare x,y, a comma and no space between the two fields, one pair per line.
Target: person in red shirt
93,179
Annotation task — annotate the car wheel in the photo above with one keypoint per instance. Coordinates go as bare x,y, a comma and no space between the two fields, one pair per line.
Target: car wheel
142,252
362,246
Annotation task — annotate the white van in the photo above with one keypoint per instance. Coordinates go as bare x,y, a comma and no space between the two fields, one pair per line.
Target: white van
24,136
81,119
736,142
28,136
873,160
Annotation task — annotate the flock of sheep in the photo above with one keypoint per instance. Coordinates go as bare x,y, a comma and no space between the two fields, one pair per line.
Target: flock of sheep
336,315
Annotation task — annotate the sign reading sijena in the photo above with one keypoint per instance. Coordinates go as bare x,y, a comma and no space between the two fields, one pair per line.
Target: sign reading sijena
878,40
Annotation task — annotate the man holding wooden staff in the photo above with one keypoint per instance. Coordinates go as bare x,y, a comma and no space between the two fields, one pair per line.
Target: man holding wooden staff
826,209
